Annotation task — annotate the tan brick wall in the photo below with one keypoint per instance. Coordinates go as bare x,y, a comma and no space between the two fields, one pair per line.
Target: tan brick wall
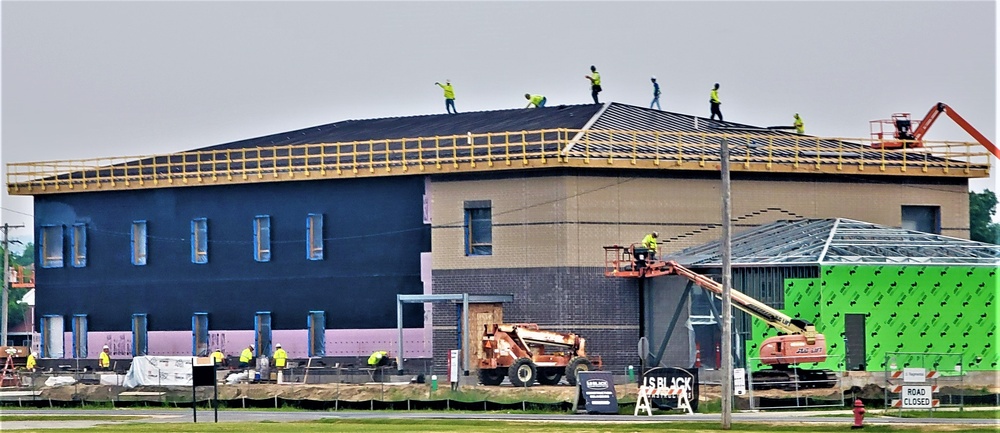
565,220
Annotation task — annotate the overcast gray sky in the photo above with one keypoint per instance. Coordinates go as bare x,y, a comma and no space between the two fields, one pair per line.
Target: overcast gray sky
90,79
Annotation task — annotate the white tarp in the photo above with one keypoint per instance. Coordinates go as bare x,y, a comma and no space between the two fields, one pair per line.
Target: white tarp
159,371
59,381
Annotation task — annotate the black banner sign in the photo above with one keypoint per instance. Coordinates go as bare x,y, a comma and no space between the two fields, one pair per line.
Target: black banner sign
598,390
666,377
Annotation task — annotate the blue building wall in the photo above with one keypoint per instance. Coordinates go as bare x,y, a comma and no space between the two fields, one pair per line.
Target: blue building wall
373,229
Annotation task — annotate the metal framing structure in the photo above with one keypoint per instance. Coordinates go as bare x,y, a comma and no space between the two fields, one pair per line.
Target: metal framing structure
465,299
841,241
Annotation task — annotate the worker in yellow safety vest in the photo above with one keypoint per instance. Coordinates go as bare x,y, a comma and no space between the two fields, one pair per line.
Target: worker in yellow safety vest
104,362
449,96
713,100
800,127
246,356
30,366
280,356
378,359
595,83
536,100
649,242
218,357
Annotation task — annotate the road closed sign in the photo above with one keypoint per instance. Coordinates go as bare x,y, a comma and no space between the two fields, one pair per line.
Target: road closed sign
916,397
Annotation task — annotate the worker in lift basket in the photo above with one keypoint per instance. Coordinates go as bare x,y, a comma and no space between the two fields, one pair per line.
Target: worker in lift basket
649,242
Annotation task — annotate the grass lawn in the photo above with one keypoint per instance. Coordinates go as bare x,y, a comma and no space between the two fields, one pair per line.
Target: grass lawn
485,426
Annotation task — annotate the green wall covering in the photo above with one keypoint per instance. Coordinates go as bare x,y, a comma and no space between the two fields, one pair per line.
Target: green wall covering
949,309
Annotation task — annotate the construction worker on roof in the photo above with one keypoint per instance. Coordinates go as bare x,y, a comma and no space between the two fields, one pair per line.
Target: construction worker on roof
649,242
280,356
378,358
656,93
536,100
218,357
245,356
449,96
595,83
800,127
104,361
713,99
30,365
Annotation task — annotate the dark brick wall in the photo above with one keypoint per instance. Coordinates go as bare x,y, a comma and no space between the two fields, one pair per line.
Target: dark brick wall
580,300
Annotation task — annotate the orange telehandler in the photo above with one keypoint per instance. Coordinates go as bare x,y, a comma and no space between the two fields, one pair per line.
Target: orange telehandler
517,351
799,344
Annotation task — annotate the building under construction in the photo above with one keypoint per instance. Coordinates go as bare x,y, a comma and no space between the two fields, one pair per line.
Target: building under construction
307,237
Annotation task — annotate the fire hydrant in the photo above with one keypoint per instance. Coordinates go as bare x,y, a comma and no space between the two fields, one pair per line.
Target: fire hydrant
859,415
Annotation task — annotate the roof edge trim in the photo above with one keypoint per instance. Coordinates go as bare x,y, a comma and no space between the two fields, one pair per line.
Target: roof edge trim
586,126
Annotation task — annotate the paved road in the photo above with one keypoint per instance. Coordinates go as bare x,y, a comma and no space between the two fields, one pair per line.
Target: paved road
175,416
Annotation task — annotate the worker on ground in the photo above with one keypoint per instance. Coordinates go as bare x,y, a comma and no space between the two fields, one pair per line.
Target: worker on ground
32,363
104,361
595,83
246,356
378,359
536,100
800,127
449,96
280,357
649,242
218,357
713,99
656,93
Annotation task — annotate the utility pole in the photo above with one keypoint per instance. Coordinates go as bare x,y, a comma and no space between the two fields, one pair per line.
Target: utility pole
6,281
727,282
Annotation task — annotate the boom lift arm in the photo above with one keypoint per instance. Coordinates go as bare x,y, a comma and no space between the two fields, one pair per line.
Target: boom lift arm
780,321
905,137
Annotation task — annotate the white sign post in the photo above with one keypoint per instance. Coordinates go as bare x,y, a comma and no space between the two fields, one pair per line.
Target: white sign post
453,370
739,381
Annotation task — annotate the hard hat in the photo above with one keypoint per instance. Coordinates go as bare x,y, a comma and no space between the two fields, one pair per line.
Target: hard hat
252,347
277,345
653,77
35,354
106,347
656,234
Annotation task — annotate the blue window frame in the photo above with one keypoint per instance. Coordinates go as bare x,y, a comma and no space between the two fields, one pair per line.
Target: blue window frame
262,332
140,335
199,240
478,228
262,238
80,336
78,245
316,324
138,242
314,236
51,252
199,334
